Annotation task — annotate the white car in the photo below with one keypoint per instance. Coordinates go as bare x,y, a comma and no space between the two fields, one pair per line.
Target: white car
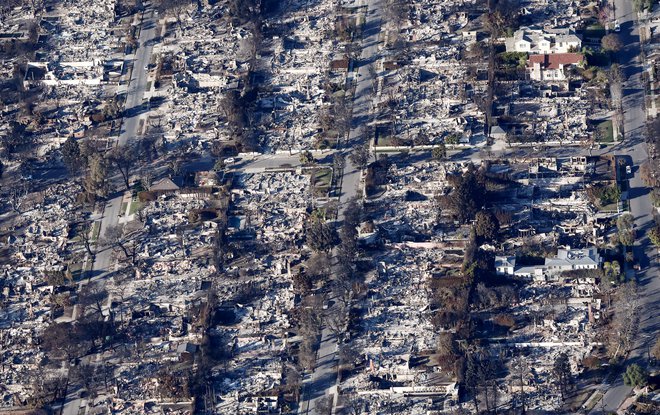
628,170
617,26
230,160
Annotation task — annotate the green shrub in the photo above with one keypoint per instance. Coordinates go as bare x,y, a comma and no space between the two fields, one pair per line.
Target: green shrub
654,235
513,58
635,376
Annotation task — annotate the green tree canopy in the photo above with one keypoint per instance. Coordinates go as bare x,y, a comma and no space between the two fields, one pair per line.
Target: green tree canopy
626,233
95,183
439,152
319,235
612,271
486,225
635,376
306,158
361,155
71,155
468,196
654,235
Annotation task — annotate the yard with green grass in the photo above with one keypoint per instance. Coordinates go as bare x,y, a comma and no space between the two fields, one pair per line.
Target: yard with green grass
612,207
96,229
385,141
595,31
322,177
606,131
591,403
321,180
135,206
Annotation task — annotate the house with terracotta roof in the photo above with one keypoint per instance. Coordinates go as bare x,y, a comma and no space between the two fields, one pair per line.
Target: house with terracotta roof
552,67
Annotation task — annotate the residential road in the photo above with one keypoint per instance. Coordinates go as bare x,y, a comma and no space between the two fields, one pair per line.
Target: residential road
641,205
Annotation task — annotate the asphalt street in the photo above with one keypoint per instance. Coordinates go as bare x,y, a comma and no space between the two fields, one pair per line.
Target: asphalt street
323,379
134,107
640,203
130,124
362,99
136,89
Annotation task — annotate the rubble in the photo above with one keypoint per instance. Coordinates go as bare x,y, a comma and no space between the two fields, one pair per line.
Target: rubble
259,211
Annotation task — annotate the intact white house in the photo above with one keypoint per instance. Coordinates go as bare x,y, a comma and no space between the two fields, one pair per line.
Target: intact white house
552,67
566,260
543,41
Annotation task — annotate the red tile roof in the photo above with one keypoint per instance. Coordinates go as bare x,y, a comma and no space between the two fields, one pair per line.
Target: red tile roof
554,60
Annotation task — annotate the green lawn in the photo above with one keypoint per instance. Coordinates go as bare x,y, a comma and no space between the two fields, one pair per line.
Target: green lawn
385,141
122,209
607,131
322,177
325,143
512,59
135,205
612,207
591,403
96,229
595,31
